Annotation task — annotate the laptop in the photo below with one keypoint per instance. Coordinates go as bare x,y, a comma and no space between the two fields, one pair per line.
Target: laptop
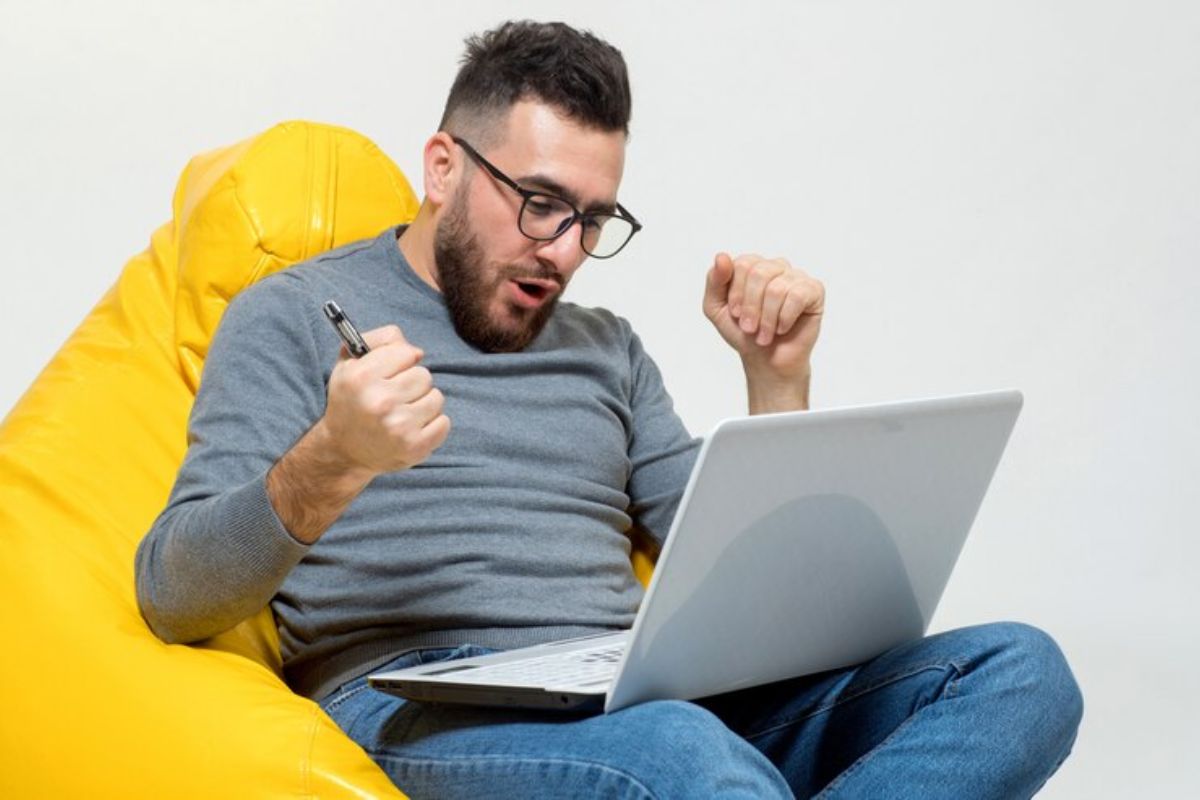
803,542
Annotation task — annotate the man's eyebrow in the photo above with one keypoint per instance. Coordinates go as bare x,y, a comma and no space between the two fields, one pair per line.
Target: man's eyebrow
550,186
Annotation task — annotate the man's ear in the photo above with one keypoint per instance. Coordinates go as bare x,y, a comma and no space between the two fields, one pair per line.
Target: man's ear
442,168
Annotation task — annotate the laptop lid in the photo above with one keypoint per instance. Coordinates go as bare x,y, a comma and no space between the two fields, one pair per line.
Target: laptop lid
809,541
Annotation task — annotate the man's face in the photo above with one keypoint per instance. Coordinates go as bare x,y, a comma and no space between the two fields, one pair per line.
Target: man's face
500,286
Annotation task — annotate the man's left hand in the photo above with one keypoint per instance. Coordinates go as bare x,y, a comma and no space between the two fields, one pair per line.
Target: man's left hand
769,311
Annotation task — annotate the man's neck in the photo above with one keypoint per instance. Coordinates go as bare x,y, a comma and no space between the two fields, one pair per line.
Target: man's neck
416,245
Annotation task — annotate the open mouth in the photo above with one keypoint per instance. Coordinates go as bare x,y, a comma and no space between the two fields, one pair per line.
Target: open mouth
533,292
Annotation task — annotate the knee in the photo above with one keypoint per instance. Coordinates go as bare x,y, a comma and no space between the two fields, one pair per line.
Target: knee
1039,671
1035,653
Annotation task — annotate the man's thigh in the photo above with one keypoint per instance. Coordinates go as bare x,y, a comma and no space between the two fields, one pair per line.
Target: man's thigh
885,716
659,749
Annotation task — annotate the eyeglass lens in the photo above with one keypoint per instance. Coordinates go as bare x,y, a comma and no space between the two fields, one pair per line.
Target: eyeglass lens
546,217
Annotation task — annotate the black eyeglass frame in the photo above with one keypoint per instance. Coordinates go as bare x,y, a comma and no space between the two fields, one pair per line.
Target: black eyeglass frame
527,194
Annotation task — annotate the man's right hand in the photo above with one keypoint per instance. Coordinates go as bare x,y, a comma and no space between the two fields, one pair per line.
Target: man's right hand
383,414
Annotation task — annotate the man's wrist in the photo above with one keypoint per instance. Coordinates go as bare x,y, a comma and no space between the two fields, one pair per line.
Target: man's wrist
312,484
768,394
322,451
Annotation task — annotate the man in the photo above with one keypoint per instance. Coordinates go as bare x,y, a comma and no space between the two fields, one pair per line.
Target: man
471,484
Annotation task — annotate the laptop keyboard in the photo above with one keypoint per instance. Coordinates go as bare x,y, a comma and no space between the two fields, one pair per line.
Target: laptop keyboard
575,668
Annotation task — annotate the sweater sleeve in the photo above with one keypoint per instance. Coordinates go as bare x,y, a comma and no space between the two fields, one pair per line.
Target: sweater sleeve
661,450
218,553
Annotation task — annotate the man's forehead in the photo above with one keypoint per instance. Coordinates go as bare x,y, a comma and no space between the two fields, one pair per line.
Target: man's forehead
546,149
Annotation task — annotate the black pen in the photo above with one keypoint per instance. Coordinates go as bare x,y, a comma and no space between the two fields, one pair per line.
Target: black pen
345,329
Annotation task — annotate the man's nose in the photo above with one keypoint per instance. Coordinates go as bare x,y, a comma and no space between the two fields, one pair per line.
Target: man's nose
565,254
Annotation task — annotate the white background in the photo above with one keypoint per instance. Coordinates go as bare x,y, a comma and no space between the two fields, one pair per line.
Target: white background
995,194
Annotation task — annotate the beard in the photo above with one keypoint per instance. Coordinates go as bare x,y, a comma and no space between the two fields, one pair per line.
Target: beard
469,287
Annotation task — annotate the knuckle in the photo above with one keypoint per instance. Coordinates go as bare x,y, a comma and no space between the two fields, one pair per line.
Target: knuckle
377,404
766,273
339,379
403,428
421,377
351,377
363,385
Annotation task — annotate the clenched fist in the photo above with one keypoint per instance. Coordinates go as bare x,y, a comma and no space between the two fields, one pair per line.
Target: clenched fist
384,413
770,313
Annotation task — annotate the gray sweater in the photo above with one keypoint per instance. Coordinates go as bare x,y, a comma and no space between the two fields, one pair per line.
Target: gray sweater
516,531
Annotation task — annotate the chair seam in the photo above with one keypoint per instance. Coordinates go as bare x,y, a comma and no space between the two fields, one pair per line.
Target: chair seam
307,758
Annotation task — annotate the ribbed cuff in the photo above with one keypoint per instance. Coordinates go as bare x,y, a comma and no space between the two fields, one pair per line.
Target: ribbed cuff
255,535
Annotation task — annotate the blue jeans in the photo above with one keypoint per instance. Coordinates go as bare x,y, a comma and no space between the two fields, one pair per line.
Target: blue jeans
981,712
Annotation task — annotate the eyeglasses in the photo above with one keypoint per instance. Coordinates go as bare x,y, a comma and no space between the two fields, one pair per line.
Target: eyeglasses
545,217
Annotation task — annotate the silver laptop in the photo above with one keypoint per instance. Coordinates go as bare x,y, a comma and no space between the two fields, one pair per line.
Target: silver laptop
803,542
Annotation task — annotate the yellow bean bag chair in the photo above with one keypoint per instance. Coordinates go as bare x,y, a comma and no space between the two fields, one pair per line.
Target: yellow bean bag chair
94,704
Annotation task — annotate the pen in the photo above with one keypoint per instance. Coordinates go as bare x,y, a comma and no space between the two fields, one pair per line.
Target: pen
345,329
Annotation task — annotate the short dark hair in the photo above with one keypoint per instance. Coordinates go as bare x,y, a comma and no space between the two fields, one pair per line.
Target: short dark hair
574,71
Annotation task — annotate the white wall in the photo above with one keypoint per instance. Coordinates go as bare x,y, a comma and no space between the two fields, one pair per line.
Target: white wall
996,194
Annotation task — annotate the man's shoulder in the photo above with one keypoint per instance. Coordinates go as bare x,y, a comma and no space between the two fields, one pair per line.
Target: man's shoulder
347,256
312,276
352,251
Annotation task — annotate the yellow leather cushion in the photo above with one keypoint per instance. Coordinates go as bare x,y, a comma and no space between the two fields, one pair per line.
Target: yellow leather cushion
95,705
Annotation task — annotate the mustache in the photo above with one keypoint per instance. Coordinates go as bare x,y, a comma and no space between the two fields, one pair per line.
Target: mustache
513,272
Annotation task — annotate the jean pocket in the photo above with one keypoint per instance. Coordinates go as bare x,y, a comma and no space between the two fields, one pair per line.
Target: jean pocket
343,696
451,653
